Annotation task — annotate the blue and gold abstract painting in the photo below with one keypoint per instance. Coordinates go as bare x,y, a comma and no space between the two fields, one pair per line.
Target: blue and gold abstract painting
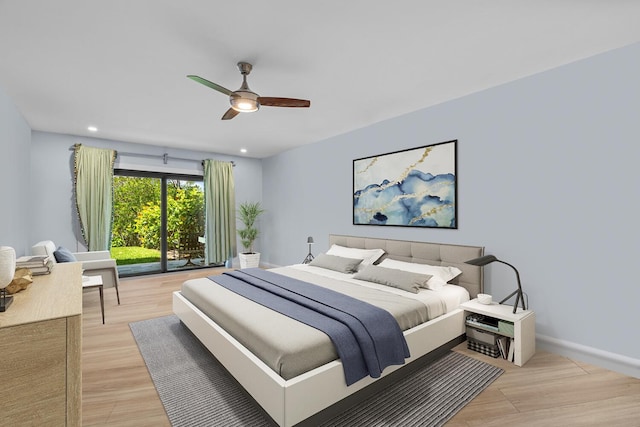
413,188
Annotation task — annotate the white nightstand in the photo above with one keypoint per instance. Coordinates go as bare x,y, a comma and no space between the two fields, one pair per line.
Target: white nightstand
524,326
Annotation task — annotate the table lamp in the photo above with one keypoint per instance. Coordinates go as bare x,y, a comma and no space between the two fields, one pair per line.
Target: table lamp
488,259
309,257
7,271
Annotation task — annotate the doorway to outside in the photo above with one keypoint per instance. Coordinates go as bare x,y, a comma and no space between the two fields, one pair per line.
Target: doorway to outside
158,222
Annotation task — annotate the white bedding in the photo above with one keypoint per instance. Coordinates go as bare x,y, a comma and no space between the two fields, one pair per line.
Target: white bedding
452,295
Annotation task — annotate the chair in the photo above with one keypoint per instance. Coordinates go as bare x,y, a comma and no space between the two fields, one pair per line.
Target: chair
190,246
95,263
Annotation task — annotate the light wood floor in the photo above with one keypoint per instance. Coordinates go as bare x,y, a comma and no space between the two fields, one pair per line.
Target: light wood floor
548,391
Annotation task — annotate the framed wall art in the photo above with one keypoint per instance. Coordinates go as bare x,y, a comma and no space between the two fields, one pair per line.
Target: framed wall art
409,188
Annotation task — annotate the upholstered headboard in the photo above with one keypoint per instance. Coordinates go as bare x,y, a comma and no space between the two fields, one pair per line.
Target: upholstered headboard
425,253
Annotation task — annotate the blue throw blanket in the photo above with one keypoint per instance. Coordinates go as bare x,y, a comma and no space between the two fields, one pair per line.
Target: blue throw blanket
367,338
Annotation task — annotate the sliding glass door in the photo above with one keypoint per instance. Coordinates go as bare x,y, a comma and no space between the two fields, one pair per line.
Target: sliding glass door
158,222
185,223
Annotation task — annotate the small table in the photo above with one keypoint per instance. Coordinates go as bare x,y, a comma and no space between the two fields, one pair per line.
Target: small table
524,326
90,282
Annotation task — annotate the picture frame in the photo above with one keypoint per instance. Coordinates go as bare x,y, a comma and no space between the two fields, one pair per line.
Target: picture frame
416,187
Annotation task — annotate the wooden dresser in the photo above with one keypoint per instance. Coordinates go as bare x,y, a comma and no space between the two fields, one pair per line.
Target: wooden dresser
40,351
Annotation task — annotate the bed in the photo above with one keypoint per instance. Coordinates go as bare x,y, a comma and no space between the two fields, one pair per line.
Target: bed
292,391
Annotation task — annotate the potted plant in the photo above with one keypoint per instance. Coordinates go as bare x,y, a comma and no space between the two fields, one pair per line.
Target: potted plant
248,213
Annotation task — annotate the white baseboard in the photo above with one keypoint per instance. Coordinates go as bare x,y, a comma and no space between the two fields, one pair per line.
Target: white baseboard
605,359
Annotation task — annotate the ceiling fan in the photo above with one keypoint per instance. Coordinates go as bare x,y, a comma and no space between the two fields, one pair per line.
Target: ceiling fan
244,100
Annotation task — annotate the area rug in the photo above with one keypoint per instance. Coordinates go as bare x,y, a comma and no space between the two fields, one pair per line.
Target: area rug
196,390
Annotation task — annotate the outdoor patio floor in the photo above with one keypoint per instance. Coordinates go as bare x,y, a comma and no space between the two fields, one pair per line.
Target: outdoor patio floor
154,267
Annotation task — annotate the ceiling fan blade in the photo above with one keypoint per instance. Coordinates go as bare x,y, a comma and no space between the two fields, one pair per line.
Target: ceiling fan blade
283,102
212,85
230,114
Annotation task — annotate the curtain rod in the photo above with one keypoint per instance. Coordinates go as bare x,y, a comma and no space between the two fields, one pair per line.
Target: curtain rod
165,157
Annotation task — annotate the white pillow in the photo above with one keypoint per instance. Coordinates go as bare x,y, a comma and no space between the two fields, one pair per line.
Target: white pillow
368,256
440,274
336,263
405,280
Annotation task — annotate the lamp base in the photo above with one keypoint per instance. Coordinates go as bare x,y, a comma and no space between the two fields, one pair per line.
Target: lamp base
520,297
308,259
5,300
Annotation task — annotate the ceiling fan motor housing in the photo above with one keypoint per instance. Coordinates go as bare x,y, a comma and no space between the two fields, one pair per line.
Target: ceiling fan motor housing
244,67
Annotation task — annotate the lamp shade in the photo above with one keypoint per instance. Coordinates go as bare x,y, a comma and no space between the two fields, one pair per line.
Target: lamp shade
488,259
7,265
310,240
244,101
482,261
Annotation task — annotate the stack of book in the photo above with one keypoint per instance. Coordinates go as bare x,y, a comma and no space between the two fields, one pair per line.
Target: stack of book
38,264
485,322
506,347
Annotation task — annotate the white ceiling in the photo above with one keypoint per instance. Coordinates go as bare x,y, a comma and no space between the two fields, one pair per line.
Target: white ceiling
121,65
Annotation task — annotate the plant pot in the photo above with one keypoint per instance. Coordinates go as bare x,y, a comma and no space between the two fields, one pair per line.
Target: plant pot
249,260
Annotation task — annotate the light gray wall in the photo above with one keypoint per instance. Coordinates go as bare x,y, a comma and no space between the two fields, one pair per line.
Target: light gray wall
52,203
547,180
15,142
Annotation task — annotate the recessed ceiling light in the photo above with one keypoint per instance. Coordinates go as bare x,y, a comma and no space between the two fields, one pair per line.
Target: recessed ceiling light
243,150
92,129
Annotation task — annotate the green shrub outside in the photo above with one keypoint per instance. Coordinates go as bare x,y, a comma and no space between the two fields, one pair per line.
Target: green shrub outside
137,213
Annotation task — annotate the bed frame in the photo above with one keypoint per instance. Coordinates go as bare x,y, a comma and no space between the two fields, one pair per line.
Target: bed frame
289,402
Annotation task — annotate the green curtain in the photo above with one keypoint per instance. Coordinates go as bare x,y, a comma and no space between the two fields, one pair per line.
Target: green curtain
93,180
220,211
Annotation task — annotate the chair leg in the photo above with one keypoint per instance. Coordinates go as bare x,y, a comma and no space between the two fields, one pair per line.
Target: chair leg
100,288
117,292
189,262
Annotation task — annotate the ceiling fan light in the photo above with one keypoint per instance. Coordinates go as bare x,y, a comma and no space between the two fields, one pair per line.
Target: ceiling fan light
244,101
